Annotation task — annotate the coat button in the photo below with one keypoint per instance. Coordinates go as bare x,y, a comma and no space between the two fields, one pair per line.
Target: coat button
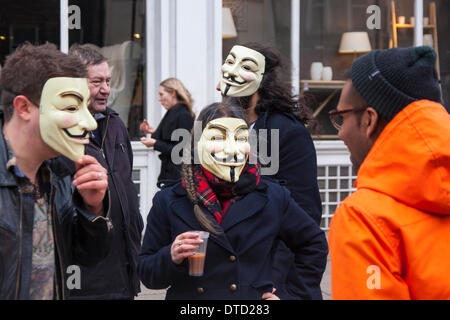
232,258
200,290
233,287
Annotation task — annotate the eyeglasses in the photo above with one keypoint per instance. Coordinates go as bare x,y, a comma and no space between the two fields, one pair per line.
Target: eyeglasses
337,120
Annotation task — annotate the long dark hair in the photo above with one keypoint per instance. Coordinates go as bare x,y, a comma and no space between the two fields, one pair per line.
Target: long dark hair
211,112
275,95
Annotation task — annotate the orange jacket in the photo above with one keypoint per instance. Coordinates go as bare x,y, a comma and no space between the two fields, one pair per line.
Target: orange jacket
391,238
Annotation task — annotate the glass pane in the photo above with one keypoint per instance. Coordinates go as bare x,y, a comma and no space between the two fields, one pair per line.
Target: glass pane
264,21
116,29
27,20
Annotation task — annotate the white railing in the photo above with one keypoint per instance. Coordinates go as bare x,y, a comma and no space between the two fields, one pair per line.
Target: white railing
335,176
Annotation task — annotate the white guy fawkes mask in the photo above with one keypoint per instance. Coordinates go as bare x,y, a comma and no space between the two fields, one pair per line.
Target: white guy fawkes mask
242,72
223,148
65,120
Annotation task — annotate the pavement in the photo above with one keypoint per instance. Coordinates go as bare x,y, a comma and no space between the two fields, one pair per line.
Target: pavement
147,294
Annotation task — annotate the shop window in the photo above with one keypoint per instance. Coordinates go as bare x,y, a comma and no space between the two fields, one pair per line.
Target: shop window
323,22
27,20
263,21
116,29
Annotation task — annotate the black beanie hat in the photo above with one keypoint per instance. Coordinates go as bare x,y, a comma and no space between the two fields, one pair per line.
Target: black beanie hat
391,79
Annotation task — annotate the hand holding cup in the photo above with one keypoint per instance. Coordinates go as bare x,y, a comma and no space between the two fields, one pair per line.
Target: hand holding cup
184,246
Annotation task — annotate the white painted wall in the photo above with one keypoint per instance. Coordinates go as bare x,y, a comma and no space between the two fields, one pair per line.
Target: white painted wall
199,49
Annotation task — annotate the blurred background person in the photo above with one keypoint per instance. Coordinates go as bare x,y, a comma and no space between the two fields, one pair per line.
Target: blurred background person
174,97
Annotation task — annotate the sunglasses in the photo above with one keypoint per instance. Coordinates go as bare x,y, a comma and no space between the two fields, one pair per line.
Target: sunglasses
336,116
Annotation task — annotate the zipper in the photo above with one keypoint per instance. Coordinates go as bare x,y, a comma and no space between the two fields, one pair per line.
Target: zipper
103,140
109,193
19,267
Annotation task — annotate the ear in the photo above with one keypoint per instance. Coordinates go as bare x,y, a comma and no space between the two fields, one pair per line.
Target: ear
23,106
370,121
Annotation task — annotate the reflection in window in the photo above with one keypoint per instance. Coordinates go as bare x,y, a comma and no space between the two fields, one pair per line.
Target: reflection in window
116,30
27,20
263,21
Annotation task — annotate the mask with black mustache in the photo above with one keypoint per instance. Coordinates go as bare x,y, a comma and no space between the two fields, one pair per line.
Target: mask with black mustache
223,148
64,119
242,72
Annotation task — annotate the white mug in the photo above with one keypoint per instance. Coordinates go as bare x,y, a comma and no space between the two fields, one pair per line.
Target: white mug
401,20
426,21
316,70
327,74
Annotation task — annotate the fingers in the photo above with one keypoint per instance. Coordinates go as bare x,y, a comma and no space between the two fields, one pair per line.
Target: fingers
90,174
269,296
144,125
184,246
148,142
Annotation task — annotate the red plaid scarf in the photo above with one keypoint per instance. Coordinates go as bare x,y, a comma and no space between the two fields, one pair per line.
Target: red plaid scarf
217,195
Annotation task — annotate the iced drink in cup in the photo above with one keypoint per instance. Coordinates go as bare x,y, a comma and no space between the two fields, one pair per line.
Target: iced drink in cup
197,261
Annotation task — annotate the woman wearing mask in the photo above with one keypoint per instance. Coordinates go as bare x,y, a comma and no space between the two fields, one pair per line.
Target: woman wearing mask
225,196
174,97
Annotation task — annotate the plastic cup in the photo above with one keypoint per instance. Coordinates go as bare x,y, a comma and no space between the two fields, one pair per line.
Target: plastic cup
197,261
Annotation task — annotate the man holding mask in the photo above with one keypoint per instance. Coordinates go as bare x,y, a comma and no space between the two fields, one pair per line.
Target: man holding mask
44,226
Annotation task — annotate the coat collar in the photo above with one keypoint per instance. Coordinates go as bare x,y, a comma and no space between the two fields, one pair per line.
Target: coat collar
243,209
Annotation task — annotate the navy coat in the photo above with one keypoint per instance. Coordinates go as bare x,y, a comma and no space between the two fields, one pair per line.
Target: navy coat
297,172
239,262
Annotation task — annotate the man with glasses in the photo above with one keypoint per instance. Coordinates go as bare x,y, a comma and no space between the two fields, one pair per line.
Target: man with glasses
390,238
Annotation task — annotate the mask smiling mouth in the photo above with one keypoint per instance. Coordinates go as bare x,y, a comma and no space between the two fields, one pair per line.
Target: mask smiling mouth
229,160
232,80
81,138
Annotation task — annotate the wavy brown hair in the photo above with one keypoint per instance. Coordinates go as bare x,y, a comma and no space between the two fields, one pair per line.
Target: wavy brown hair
275,94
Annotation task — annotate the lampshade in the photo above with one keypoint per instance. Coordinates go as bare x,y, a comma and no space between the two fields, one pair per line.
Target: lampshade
228,27
355,42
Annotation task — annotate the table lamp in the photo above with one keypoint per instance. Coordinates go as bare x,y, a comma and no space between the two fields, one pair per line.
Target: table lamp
355,42
228,27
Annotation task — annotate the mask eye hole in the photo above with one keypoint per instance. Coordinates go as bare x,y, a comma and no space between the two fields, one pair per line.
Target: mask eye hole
71,109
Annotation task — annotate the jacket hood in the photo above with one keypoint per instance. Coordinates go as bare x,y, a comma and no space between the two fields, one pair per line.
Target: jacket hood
410,161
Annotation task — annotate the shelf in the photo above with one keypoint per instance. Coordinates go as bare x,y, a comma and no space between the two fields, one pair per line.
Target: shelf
317,84
411,26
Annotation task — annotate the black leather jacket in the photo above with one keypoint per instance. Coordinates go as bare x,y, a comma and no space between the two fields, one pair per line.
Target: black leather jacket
80,237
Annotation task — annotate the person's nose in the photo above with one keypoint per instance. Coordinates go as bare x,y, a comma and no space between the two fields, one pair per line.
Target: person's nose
105,88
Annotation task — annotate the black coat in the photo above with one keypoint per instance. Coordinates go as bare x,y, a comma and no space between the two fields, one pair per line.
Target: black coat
298,173
177,117
116,276
238,263
80,237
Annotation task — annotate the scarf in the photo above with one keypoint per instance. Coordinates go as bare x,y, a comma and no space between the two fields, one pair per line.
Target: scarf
218,195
